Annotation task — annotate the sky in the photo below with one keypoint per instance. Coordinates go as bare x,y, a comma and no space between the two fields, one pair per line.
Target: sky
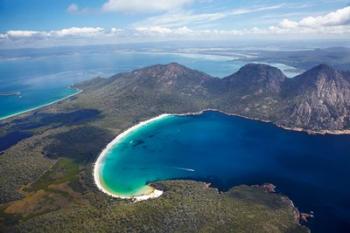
45,23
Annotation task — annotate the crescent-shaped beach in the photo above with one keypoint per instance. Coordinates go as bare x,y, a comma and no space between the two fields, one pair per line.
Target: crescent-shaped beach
148,192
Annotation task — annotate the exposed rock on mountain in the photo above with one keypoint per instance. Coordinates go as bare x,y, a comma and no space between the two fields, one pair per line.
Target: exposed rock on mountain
317,100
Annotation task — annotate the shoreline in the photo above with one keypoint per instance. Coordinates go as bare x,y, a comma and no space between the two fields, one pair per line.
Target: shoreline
313,132
157,193
96,168
43,105
294,129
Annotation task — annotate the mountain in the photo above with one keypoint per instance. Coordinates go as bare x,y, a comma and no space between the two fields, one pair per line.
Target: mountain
147,92
257,79
317,100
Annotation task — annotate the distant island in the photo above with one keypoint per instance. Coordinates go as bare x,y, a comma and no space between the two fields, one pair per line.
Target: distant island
48,159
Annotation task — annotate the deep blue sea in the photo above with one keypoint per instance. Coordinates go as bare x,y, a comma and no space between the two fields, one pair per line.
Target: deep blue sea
46,77
227,151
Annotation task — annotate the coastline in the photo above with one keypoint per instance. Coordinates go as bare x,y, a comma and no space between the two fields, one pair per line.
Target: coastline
295,129
43,105
313,132
157,193
96,169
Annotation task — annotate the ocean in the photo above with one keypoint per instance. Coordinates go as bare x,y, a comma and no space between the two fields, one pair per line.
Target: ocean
313,170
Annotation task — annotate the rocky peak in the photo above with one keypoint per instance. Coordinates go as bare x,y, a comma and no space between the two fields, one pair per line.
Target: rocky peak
322,79
321,97
261,71
169,72
258,78
322,71
172,77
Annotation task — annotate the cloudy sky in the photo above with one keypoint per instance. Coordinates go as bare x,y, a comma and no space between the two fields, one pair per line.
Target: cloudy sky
39,23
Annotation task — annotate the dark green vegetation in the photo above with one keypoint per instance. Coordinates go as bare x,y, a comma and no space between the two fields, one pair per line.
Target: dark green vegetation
64,170
186,207
80,151
46,182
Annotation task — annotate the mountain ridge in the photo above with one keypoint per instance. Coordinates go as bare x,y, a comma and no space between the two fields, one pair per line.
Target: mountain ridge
315,101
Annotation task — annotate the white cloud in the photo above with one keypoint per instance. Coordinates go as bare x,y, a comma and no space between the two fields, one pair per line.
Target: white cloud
77,10
67,32
332,25
183,30
185,18
115,30
340,17
20,34
163,31
288,24
62,37
73,8
75,31
144,5
154,29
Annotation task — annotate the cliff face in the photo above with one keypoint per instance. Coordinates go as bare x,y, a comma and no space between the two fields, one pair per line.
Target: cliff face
316,100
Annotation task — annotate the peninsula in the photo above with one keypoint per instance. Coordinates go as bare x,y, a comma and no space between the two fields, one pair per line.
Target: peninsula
47,177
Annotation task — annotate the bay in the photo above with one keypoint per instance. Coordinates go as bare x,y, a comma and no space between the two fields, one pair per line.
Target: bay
313,170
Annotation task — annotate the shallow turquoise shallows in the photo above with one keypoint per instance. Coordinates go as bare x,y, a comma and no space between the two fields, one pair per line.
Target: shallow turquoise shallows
227,151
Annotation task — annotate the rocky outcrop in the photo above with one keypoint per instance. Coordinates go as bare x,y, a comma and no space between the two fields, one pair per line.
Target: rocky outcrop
318,99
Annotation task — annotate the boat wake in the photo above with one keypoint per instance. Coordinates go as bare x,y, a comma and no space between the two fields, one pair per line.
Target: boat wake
185,169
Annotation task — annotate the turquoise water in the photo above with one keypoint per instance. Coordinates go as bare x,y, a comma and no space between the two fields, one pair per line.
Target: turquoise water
226,151
46,77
